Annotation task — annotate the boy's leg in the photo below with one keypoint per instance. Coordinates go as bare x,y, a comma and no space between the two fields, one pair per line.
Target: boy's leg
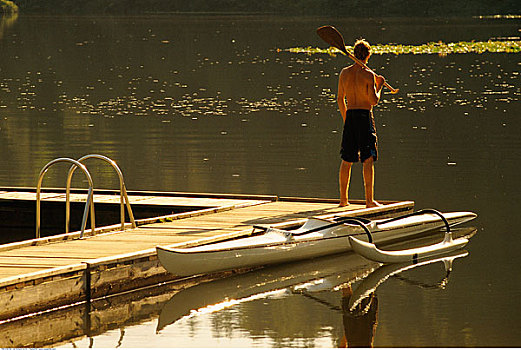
343,179
368,170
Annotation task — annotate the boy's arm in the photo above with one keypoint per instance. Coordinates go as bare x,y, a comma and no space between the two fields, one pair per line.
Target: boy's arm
378,83
341,96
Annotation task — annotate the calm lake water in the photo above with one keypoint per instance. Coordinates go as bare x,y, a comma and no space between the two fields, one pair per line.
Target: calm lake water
209,104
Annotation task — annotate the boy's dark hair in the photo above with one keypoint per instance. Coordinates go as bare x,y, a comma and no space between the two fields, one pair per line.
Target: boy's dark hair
362,49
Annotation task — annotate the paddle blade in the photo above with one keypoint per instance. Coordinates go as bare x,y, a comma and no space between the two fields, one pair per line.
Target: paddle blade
333,37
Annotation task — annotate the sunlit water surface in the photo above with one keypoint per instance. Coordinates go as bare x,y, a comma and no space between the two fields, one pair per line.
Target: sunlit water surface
209,104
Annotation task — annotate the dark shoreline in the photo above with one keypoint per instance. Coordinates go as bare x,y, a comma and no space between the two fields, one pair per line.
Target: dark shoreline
333,8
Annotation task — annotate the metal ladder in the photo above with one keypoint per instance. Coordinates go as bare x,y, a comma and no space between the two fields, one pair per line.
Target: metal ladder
90,202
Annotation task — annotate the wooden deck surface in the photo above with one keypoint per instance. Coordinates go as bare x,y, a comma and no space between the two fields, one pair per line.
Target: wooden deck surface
136,199
21,260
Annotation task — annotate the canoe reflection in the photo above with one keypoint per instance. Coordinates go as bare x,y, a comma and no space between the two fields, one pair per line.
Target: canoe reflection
220,294
356,277
360,307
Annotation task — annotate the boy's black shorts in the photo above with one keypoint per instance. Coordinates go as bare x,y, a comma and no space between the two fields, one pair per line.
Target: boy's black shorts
359,141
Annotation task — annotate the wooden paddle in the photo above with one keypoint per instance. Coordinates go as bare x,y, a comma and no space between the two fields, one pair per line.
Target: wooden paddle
333,37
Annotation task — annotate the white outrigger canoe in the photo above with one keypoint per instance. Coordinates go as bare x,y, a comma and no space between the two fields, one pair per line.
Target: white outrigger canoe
315,238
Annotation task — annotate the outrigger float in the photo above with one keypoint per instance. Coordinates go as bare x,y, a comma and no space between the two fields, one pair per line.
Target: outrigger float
316,238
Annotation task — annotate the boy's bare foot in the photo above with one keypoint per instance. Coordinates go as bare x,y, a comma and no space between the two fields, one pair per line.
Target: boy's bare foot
343,203
372,204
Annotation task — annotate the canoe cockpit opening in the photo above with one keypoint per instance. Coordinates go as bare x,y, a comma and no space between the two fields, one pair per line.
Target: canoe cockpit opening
316,225
284,233
364,220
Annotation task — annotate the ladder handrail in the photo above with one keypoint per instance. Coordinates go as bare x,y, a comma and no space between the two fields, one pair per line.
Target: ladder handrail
122,188
89,203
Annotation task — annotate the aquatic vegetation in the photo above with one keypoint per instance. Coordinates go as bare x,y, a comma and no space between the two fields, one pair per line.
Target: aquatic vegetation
8,6
440,48
498,17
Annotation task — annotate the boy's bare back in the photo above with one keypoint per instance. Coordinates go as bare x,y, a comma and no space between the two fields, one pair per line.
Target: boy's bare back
358,89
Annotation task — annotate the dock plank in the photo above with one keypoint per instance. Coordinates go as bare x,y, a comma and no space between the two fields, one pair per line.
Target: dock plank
37,260
176,201
7,271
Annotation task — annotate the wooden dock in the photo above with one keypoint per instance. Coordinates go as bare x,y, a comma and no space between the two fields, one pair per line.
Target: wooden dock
39,274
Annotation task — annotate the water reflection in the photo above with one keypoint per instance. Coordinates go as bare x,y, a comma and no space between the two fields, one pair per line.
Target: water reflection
355,277
6,21
359,324
279,280
360,307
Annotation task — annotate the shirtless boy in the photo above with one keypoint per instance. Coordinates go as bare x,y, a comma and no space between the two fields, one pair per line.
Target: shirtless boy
358,91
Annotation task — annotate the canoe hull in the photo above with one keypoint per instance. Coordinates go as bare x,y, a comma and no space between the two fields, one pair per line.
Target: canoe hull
279,247
183,263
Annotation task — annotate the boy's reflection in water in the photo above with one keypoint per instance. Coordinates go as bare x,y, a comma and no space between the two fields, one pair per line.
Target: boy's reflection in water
360,323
